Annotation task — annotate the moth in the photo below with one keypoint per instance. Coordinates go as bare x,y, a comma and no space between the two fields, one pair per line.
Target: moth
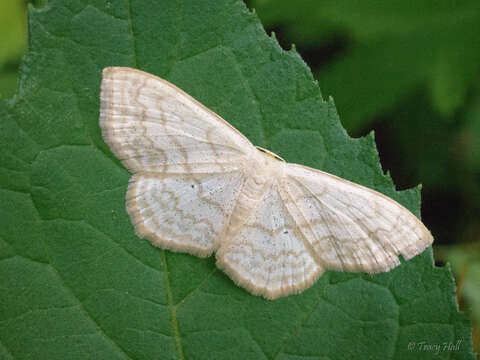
199,186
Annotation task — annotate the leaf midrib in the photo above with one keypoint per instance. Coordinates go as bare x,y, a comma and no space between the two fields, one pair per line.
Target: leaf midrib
173,311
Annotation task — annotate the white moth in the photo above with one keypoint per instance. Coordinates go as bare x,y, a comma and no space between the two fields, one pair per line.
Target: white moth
199,186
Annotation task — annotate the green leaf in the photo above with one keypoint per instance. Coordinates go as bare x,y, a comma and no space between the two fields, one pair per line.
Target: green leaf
392,49
12,28
8,83
378,74
76,281
465,261
13,43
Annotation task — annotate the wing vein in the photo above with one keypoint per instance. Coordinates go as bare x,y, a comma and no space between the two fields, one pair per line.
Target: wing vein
339,215
305,241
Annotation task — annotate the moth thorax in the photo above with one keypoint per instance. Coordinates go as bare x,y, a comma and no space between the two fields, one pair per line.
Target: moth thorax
266,167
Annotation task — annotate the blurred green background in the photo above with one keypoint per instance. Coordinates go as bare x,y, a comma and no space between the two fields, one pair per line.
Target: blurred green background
409,71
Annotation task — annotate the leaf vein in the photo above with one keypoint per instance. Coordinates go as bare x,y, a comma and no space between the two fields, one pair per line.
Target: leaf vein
173,312
131,30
